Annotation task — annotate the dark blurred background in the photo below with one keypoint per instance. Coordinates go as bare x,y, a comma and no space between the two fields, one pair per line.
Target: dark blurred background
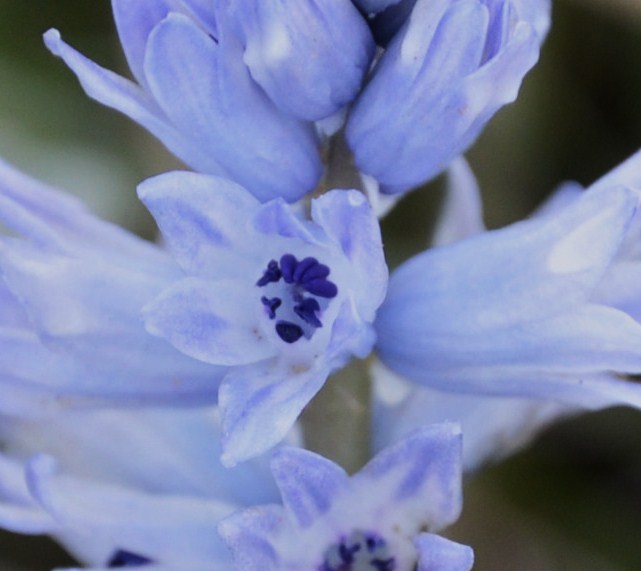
571,501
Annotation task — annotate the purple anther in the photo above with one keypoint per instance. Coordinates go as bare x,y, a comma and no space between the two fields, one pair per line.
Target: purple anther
359,552
271,305
122,558
321,288
307,309
318,271
288,265
303,266
271,274
289,332
383,564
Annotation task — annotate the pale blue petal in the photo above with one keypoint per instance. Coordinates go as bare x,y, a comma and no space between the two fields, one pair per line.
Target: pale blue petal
419,478
87,313
349,221
537,12
57,221
310,57
307,482
462,211
421,60
350,336
278,217
206,91
465,86
122,95
204,220
259,406
18,510
110,517
529,270
564,195
178,450
135,19
208,320
589,338
532,316
247,534
441,554
628,173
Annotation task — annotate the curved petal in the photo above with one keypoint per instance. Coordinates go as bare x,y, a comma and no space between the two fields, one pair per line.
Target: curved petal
208,320
122,95
259,407
310,57
307,482
110,518
419,477
466,82
525,272
347,218
441,554
205,221
207,92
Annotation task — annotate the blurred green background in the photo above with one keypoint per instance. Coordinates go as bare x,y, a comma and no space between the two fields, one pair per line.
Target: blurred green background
572,501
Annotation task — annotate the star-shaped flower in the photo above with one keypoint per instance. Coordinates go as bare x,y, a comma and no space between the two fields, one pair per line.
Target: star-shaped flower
380,519
280,300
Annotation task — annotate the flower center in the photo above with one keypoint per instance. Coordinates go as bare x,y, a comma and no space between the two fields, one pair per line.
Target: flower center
296,294
122,558
360,551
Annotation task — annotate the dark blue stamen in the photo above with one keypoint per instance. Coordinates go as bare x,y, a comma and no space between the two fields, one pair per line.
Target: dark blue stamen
288,265
288,331
308,276
383,564
303,266
271,305
321,288
358,552
124,558
307,309
317,271
271,274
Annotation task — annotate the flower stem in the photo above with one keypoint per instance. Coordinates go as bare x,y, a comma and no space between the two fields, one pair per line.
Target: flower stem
337,421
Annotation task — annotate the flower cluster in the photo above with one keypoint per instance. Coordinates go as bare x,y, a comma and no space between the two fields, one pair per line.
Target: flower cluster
151,394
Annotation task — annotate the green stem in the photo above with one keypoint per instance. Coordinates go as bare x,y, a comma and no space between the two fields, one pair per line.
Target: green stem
337,421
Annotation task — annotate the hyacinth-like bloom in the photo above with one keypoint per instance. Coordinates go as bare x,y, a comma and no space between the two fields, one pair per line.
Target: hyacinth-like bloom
444,74
546,308
255,87
271,302
124,488
279,300
72,291
380,519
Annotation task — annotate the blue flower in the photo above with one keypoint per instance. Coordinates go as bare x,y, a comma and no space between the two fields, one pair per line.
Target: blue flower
127,488
310,57
232,90
258,92
72,290
546,309
279,300
445,73
380,519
